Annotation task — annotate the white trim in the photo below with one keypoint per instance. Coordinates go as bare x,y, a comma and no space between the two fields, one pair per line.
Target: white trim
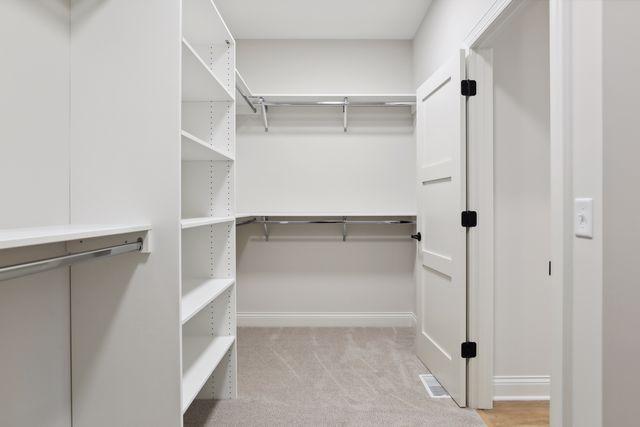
414,320
560,27
325,319
526,387
492,18
480,243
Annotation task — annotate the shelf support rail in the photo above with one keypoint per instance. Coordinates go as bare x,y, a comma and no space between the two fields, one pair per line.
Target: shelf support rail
23,269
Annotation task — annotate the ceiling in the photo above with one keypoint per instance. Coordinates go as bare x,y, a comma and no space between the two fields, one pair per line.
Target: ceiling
323,19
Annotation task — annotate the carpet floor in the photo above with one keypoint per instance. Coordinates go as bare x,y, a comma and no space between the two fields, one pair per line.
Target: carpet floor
327,377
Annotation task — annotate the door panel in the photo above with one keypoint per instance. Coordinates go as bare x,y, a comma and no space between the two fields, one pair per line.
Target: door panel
442,290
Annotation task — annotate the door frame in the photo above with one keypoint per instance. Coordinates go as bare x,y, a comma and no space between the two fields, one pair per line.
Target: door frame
480,384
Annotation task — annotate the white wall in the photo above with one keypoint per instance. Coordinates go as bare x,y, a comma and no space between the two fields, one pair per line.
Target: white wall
442,32
523,320
35,375
621,200
586,133
306,163
326,66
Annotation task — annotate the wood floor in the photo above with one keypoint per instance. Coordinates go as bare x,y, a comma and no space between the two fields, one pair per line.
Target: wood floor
516,414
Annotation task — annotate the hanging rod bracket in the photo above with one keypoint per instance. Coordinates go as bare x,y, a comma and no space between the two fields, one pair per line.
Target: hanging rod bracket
265,224
344,224
344,113
263,109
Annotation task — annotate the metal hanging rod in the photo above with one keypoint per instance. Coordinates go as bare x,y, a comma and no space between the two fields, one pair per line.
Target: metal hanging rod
266,222
23,269
338,104
345,104
332,221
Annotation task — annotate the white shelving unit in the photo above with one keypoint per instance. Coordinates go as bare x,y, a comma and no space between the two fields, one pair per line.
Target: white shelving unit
199,83
197,293
200,357
21,237
208,302
199,222
195,149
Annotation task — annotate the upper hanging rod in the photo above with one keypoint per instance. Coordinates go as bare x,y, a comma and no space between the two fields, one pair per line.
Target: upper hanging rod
23,269
345,103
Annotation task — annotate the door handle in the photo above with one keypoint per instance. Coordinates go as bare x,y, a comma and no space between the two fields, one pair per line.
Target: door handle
417,236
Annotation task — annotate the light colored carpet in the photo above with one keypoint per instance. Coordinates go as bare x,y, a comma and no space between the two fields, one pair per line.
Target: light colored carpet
329,376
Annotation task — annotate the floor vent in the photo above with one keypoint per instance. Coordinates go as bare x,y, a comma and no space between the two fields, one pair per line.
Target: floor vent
435,390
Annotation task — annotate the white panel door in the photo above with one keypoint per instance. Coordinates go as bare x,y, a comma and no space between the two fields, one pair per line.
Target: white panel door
442,290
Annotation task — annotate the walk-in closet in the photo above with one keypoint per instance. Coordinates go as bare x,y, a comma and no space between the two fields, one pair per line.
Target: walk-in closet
307,213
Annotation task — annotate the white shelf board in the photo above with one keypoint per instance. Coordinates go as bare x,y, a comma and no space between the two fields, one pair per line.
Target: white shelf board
206,220
198,81
325,214
197,293
203,24
193,148
200,357
20,237
375,97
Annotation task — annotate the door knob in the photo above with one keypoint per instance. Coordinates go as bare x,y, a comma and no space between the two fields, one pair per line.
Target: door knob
417,236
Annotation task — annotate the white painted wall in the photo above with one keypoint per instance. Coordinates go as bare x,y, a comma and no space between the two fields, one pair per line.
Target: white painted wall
307,163
620,264
523,322
35,374
586,134
326,66
442,31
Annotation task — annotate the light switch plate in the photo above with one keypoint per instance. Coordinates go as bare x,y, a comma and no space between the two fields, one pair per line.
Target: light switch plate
583,217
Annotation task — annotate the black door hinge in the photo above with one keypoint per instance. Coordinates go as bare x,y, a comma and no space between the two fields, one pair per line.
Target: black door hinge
468,350
417,236
469,219
468,87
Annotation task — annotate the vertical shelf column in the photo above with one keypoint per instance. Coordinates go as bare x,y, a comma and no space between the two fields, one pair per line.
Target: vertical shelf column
208,305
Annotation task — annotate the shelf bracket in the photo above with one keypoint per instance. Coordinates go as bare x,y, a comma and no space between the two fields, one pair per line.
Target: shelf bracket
263,108
344,113
246,99
265,225
344,228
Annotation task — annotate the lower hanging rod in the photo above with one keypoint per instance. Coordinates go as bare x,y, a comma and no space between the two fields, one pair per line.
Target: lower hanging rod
326,221
337,104
18,270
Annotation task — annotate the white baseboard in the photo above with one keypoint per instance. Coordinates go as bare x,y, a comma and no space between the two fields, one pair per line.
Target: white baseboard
325,319
414,320
532,387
